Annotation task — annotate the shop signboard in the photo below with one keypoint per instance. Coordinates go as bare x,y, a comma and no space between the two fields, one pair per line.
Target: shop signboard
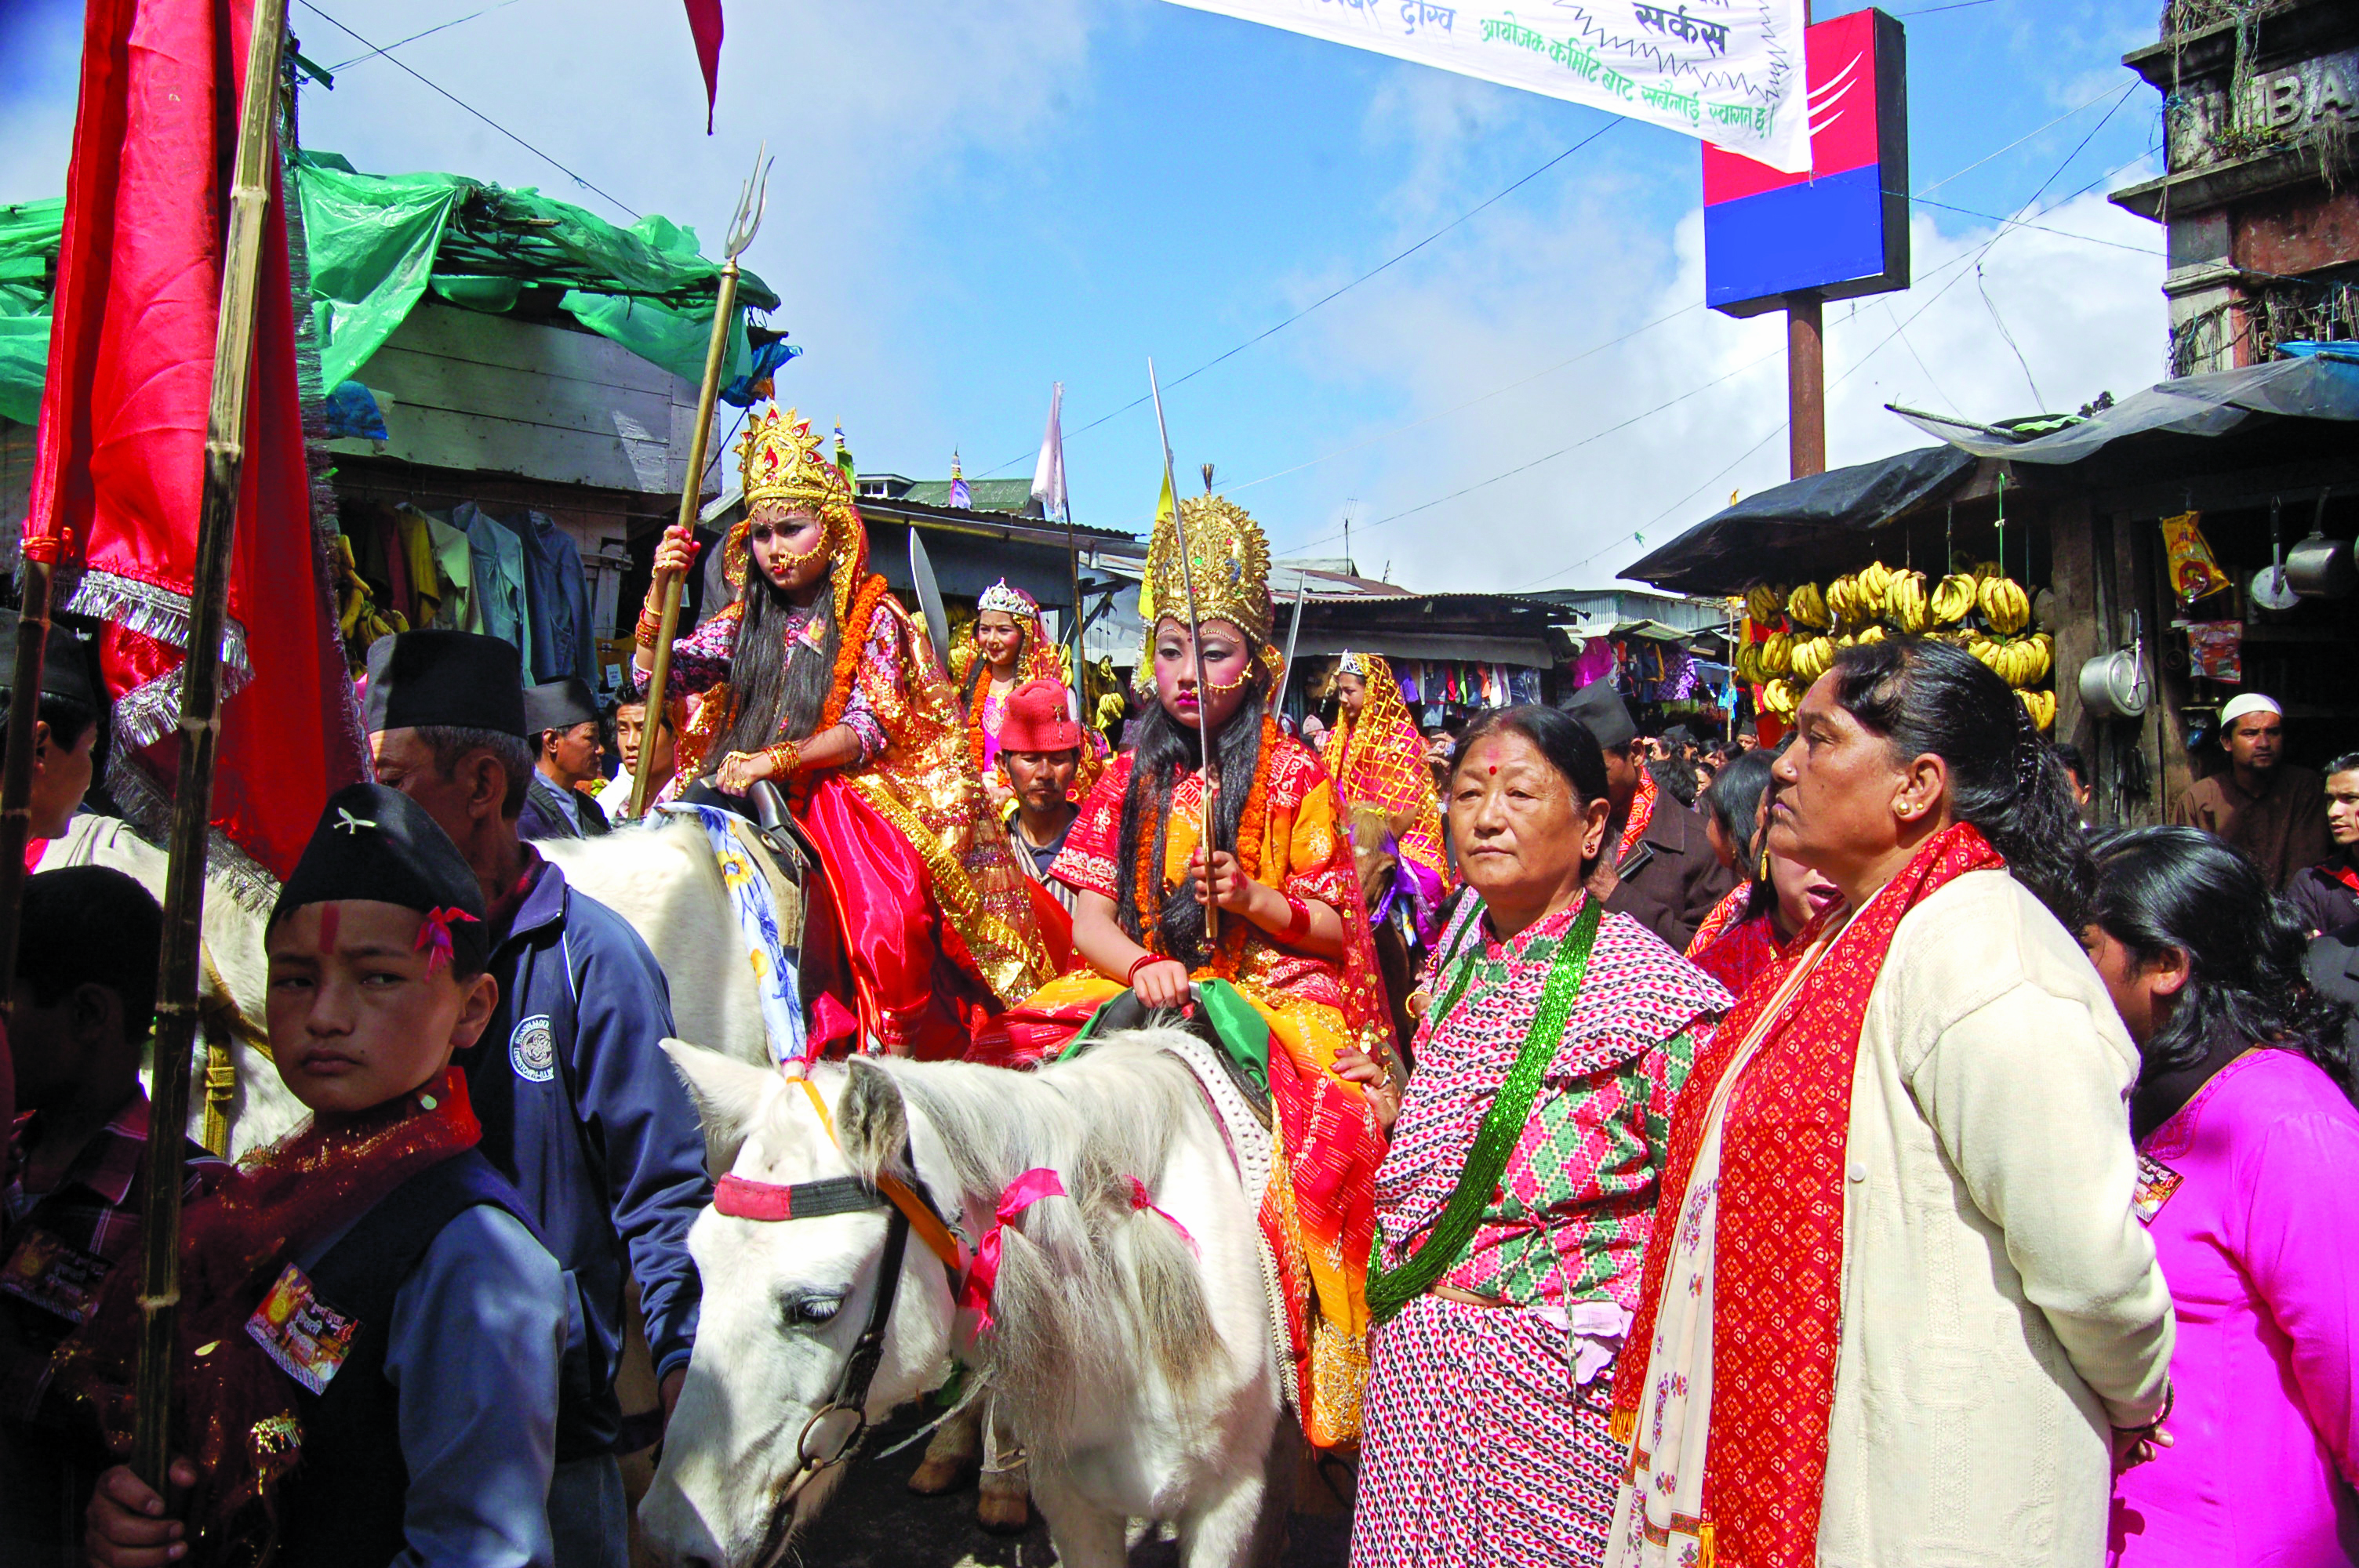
1839,229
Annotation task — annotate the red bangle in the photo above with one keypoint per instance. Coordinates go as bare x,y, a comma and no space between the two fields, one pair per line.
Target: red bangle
1131,976
1297,921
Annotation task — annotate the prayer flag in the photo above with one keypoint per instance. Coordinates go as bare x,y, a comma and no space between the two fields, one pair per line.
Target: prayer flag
1049,473
704,22
1165,512
119,464
961,496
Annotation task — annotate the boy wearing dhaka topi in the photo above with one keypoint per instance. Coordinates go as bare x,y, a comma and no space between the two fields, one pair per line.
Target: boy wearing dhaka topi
369,1328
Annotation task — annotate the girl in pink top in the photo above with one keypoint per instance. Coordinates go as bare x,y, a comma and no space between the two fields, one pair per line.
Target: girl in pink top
2248,1153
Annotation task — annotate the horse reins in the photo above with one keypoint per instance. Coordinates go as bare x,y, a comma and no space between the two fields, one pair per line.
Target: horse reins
741,1197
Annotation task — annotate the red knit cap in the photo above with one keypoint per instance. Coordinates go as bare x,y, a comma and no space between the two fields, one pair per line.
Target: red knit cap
1039,718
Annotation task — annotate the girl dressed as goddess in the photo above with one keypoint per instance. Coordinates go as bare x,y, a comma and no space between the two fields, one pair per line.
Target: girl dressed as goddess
1276,880
816,681
1011,648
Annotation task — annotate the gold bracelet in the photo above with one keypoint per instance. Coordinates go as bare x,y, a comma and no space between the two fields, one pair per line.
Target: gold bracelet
650,627
786,759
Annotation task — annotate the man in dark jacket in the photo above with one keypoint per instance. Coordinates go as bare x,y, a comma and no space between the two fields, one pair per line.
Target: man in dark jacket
1660,867
561,725
580,1106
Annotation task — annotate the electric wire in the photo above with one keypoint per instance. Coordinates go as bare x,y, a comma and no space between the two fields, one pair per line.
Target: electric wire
1325,300
579,179
438,27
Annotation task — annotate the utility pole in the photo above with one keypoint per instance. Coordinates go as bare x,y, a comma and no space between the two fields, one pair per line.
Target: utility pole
1806,385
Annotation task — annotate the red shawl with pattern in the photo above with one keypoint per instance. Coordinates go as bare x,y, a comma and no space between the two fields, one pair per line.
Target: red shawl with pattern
1642,812
1778,1286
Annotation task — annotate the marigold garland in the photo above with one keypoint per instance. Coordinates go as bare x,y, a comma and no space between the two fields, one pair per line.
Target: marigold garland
1147,886
853,640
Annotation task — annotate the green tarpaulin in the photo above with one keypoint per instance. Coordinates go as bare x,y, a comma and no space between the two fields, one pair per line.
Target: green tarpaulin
377,242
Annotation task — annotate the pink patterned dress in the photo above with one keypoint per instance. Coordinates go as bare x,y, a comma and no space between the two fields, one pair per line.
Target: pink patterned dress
1486,1438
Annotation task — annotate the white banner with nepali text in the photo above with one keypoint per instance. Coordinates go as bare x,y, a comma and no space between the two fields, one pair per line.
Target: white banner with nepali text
1726,72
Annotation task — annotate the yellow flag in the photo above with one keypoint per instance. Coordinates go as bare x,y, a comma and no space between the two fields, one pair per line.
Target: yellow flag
1165,528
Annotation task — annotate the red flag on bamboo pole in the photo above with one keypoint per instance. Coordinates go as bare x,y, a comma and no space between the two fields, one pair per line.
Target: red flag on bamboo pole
704,22
120,462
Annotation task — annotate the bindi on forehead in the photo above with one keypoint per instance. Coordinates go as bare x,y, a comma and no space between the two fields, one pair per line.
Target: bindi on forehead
331,917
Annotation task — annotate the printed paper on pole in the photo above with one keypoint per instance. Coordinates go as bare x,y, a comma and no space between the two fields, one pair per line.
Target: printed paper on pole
1726,72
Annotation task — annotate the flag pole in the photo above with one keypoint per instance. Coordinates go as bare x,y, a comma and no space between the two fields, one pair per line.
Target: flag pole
753,200
184,876
1195,655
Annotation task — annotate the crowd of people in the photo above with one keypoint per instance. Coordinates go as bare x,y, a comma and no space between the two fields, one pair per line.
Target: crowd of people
1695,1153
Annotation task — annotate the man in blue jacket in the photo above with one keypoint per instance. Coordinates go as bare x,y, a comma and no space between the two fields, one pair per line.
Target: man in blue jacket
579,1108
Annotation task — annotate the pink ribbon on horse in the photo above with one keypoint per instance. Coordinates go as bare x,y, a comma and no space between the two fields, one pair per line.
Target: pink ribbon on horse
740,1198
1140,1198
1022,1193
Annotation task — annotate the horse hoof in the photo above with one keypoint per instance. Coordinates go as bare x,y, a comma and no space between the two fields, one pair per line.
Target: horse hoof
1004,1510
942,1472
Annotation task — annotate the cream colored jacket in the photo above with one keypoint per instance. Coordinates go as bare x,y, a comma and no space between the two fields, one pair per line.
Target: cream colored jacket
2002,1306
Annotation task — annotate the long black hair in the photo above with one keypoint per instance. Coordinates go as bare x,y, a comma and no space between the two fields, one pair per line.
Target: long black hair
2164,887
1166,750
1735,800
1925,696
1559,737
778,692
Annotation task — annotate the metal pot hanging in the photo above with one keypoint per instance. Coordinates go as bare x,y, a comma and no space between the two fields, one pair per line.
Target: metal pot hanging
2320,567
2114,685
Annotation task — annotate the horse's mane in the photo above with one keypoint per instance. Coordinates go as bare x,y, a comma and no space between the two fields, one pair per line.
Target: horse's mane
1089,1289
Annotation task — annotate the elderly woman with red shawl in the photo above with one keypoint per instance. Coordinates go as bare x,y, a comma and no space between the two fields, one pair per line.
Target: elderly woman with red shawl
1901,1307
1514,1204
1268,912
816,680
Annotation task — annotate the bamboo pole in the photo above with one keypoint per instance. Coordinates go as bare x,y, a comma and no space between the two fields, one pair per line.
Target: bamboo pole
184,877
751,202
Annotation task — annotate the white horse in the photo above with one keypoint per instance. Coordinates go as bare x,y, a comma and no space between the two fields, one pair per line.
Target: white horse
1131,1347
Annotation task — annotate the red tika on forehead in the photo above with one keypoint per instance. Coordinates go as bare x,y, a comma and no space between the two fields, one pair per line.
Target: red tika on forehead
330,918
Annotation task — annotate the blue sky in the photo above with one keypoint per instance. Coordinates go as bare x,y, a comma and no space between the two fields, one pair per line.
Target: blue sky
973,201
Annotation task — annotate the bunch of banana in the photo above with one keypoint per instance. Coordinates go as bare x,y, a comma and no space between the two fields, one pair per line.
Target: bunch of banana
1765,603
1986,570
2025,662
1850,601
1904,603
1953,598
2041,706
1812,659
1776,656
2004,605
1984,649
1874,583
1871,634
1781,699
1807,608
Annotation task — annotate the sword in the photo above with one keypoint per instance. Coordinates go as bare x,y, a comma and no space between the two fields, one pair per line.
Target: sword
930,600
1293,635
1195,654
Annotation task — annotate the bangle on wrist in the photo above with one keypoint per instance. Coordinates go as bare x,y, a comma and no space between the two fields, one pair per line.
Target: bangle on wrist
786,759
1130,975
1298,920
650,627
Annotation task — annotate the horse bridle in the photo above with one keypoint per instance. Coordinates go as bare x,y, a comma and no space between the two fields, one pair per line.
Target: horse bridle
834,1434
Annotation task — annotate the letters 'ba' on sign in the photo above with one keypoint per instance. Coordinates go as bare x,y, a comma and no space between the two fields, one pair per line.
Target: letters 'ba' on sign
1842,230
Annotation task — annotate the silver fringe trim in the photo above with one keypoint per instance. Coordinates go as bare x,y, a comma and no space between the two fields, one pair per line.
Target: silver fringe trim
157,613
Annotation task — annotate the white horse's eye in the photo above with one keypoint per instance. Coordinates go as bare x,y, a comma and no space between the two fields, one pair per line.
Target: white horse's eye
802,1309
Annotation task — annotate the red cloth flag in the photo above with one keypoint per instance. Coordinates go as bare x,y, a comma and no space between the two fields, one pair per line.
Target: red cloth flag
120,460
704,21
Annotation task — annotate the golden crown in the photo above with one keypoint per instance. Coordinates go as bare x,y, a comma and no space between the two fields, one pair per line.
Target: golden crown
780,460
1229,559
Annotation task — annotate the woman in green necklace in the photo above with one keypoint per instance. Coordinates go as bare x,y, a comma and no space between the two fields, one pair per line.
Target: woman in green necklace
1515,1205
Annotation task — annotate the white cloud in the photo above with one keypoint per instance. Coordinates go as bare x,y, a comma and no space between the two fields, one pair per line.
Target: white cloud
1542,286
